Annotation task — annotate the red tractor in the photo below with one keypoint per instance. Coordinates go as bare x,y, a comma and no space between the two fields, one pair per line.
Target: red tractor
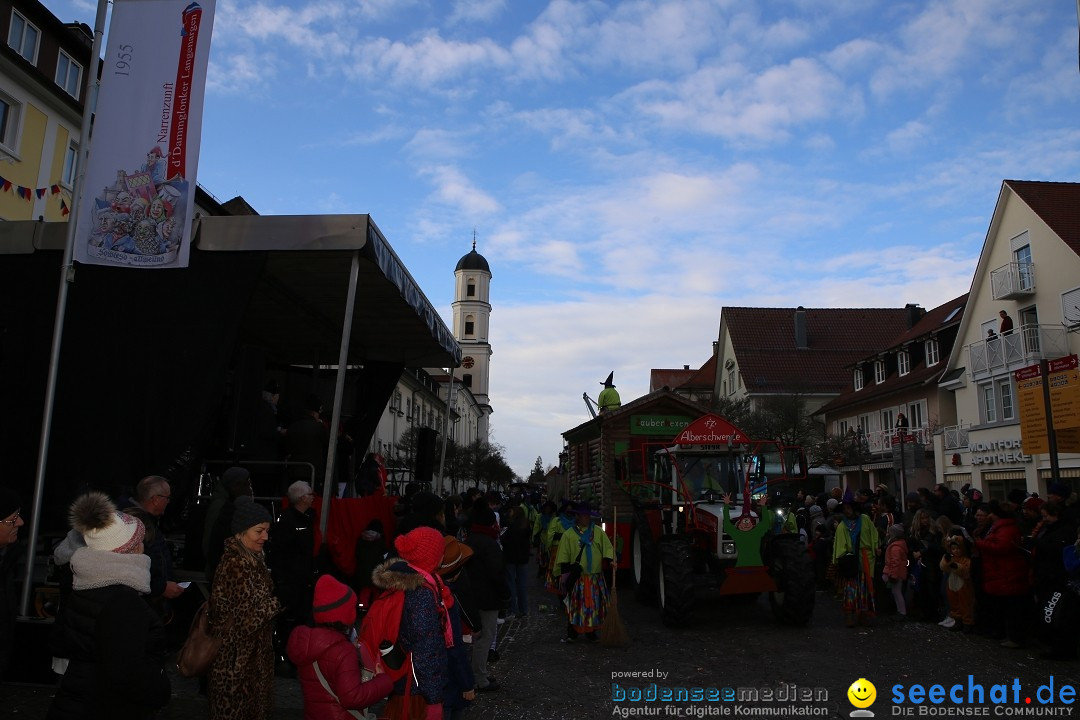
708,516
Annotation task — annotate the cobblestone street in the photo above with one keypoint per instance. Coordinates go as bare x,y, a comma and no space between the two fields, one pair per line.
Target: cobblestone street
734,644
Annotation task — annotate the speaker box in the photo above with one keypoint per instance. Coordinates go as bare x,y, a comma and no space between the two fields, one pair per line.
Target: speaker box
425,454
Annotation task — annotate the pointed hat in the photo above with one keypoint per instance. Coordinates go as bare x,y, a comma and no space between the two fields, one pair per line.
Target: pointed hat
610,382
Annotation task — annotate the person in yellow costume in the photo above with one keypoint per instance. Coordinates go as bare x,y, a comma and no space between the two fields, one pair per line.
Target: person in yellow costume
587,545
609,399
856,534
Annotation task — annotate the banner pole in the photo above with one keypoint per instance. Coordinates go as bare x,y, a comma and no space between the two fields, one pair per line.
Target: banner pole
67,276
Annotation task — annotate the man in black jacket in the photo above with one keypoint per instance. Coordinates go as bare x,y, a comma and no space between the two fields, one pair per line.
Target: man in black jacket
10,522
487,575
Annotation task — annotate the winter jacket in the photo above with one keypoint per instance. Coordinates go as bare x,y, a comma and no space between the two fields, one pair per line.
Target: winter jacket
340,665
517,542
421,631
1005,566
1050,574
896,560
115,642
486,573
243,607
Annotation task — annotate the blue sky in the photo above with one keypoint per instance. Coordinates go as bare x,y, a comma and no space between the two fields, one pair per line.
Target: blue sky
632,167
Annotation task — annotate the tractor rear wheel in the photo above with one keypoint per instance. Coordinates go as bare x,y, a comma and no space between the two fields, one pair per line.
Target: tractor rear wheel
793,571
676,581
643,563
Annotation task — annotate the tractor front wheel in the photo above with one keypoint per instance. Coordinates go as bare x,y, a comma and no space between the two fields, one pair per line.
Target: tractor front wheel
676,582
793,571
643,563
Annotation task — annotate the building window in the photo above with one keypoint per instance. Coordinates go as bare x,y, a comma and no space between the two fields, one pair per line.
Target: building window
858,379
9,122
903,362
68,74
1026,277
933,353
916,414
23,37
1006,394
887,419
731,381
470,289
466,380
842,428
70,157
879,371
469,326
989,407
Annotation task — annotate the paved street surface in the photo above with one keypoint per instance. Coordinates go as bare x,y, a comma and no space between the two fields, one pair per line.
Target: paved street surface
733,645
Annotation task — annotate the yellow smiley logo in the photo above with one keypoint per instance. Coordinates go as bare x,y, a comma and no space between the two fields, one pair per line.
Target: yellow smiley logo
862,693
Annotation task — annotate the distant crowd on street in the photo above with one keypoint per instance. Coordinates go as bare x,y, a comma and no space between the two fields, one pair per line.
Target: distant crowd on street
1004,567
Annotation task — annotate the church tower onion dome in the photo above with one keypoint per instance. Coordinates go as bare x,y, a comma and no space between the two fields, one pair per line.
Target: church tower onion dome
473,261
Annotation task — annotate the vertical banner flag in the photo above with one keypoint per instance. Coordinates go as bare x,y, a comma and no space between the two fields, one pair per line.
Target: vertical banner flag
138,194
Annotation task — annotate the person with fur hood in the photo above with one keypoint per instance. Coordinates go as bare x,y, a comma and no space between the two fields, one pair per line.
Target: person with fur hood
896,565
425,632
332,677
114,642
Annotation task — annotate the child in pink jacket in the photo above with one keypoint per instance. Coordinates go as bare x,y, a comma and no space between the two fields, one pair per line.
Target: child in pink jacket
896,565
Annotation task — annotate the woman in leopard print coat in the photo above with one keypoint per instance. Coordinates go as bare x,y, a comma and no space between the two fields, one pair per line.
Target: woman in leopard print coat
243,607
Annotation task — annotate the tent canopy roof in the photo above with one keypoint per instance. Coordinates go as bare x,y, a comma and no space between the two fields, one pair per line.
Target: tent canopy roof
296,310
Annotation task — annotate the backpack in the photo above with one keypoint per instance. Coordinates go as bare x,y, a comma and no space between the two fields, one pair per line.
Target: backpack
381,627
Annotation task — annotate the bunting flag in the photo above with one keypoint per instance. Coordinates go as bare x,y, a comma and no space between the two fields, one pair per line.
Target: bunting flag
147,131
63,208
27,193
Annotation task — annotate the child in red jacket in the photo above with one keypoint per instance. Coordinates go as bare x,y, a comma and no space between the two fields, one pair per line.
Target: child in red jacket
332,677
896,565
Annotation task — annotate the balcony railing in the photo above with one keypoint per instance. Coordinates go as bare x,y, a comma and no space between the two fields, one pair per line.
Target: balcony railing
1028,345
1013,281
955,437
880,441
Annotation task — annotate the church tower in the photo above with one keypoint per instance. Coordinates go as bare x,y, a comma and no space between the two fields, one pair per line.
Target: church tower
472,312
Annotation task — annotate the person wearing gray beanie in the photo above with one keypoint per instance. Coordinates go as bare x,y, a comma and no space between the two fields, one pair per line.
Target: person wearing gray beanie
247,513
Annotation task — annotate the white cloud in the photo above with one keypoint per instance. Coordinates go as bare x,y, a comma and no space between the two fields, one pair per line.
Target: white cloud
453,188
476,10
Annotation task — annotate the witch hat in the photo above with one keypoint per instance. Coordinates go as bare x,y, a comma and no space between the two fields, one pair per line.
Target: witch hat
610,382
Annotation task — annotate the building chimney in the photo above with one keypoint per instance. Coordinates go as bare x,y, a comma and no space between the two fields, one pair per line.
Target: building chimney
801,342
914,314
685,367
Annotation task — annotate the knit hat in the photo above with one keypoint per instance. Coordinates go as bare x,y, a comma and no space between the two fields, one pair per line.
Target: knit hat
454,556
1034,503
334,602
247,513
9,501
1016,496
895,531
94,516
422,547
815,511
235,480
831,504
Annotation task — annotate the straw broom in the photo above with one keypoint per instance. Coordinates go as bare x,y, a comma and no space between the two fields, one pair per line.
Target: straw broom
612,632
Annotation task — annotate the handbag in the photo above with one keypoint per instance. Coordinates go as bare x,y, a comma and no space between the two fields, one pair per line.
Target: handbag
569,579
200,648
847,566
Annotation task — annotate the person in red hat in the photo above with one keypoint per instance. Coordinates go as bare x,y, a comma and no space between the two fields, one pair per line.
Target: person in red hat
331,679
425,632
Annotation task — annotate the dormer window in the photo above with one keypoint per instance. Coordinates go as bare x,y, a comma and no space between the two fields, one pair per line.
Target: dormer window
903,362
933,353
879,371
68,74
23,37
858,378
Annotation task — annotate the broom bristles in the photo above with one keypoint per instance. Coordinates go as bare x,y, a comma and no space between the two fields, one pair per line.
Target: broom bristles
612,632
